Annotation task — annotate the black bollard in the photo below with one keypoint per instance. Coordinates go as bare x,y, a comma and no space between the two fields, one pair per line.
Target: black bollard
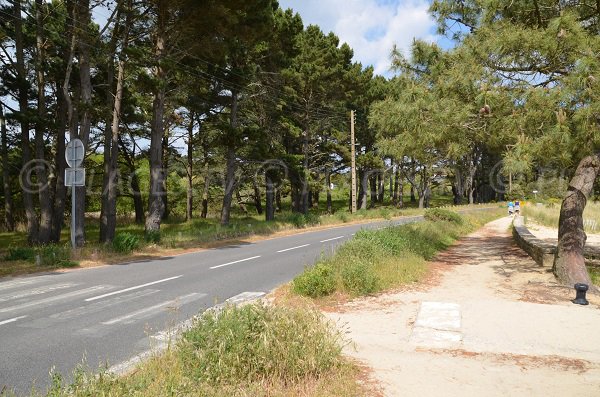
580,294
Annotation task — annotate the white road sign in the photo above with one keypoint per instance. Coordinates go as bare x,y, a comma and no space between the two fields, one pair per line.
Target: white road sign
75,177
74,153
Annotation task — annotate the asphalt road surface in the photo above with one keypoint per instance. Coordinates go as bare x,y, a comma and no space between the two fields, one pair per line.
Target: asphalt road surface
106,315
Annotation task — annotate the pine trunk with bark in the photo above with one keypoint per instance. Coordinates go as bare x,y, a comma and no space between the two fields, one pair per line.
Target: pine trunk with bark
206,190
85,106
329,200
9,219
569,262
189,211
45,199
269,197
156,205
257,199
231,165
28,200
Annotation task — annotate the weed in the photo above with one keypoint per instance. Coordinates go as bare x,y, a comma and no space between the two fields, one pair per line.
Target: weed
359,278
440,214
153,236
125,242
20,254
315,281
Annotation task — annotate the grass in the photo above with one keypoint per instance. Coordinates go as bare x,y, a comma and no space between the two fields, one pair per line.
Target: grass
548,215
378,260
252,350
180,235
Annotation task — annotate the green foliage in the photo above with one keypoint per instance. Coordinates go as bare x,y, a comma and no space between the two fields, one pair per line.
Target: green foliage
257,342
375,260
125,242
50,255
20,254
300,220
153,236
440,214
315,281
54,256
359,278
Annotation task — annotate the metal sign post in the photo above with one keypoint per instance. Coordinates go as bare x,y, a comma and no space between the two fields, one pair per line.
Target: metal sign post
74,176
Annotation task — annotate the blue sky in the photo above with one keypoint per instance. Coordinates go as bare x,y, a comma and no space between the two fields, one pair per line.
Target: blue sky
370,27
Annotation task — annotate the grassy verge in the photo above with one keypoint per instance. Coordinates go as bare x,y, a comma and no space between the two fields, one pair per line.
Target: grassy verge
548,215
253,350
377,260
131,243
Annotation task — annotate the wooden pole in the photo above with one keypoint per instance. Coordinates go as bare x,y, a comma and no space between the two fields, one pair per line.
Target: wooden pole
353,159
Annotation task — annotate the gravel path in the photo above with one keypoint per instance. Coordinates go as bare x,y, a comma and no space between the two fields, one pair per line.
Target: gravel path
487,322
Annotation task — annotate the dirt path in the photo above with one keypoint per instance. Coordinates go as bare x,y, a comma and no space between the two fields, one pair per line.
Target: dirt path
487,322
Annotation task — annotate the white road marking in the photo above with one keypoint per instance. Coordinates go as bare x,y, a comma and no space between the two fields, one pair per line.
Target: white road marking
234,262
293,248
132,288
55,298
37,291
147,310
331,239
12,320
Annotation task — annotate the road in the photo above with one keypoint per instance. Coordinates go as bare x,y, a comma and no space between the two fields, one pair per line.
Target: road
104,316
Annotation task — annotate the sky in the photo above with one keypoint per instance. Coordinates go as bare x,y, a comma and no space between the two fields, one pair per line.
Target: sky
370,27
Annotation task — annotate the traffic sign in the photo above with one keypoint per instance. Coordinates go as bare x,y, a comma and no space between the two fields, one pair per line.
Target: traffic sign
75,177
74,153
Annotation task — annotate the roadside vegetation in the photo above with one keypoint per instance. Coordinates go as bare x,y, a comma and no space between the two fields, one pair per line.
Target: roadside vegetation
378,260
252,350
131,242
548,213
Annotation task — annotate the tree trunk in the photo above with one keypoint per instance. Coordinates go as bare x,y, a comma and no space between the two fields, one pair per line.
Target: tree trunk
257,199
362,193
165,160
240,202
569,262
138,203
231,164
156,205
206,190
190,170
380,187
399,184
396,176
373,183
329,202
278,200
32,222
45,226
9,220
269,197
457,188
85,113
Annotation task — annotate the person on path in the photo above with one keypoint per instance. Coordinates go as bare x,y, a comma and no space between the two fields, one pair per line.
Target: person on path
511,208
517,207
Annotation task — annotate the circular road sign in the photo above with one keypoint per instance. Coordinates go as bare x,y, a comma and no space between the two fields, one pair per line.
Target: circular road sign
74,153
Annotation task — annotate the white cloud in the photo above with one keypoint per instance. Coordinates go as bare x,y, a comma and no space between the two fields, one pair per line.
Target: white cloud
370,27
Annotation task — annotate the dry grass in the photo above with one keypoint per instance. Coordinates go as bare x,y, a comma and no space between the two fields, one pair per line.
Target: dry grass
549,214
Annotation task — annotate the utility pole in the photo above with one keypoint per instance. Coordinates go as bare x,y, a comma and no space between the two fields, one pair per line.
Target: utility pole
353,157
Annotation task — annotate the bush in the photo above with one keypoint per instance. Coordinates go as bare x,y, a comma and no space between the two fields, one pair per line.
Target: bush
153,236
301,221
54,256
258,343
20,254
315,282
359,278
125,242
439,214
342,216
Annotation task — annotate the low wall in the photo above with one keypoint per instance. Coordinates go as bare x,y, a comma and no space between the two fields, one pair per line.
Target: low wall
542,251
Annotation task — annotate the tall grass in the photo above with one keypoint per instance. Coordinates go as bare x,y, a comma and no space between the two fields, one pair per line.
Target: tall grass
548,215
376,260
253,350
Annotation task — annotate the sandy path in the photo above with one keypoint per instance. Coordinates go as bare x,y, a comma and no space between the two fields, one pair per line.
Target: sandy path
488,322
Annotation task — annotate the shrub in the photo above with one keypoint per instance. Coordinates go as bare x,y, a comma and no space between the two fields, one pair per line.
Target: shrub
257,343
342,216
153,236
125,242
54,256
315,282
440,214
20,254
301,220
359,278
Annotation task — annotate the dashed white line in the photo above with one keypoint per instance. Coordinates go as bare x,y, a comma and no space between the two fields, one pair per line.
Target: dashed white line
132,288
234,262
294,248
331,239
12,320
